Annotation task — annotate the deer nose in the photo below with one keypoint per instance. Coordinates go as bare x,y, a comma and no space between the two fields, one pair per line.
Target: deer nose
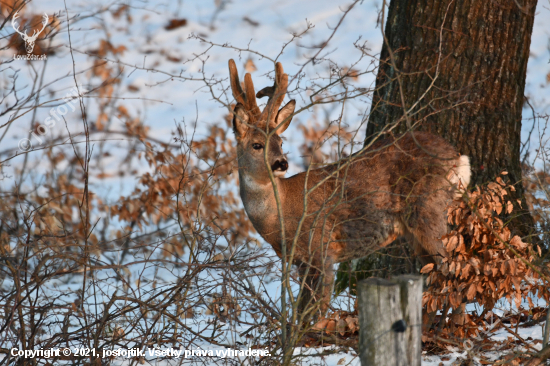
281,165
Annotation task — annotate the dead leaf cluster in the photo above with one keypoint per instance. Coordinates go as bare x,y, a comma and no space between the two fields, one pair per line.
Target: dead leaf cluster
481,265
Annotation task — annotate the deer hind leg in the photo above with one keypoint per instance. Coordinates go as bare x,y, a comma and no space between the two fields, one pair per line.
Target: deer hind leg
427,223
423,256
316,293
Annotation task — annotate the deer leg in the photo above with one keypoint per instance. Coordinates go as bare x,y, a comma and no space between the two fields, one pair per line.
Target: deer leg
326,286
427,222
317,282
306,274
421,254
425,258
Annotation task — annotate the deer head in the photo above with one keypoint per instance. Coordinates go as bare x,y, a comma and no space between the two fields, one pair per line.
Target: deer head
29,40
252,127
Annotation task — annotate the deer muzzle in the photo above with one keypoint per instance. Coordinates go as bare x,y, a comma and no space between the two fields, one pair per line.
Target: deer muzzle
279,166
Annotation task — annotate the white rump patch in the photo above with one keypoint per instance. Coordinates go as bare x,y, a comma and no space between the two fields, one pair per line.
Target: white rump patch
461,173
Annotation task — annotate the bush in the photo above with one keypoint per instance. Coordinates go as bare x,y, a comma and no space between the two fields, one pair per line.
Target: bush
485,262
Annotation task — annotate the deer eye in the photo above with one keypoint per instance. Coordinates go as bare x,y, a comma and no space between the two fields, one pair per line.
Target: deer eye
257,146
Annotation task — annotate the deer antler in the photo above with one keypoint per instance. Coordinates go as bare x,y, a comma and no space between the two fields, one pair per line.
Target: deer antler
45,19
15,26
35,34
247,99
276,94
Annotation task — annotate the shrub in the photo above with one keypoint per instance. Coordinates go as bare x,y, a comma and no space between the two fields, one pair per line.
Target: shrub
485,263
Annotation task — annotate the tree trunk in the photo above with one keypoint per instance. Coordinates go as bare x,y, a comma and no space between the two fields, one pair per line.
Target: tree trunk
477,97
459,68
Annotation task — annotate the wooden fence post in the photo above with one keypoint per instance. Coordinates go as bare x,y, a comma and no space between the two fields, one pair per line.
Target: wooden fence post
390,321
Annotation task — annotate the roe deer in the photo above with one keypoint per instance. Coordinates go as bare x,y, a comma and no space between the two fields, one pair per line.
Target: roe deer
399,186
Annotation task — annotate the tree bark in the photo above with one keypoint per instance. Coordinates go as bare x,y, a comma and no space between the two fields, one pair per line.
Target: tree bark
475,54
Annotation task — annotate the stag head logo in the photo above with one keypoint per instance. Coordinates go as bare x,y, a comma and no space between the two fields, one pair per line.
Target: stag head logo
29,40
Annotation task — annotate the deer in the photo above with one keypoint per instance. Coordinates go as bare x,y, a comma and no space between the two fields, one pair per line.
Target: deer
397,187
29,40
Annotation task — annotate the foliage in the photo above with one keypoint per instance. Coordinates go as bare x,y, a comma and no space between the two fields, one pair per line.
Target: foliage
485,262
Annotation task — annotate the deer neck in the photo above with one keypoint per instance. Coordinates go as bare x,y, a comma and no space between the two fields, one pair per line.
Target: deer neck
259,202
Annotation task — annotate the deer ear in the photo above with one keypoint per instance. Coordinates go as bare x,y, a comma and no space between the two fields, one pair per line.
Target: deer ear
284,116
240,121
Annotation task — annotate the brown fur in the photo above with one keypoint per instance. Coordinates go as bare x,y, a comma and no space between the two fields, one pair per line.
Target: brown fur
397,187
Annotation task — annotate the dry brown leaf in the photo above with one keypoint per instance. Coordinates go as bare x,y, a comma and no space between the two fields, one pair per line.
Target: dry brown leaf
249,66
518,243
458,266
321,324
509,207
341,326
331,326
452,268
453,241
427,268
175,23
352,323
217,257
471,292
